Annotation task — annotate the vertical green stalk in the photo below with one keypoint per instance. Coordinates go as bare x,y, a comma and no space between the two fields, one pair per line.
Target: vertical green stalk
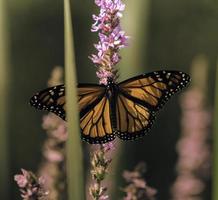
215,142
74,147
4,69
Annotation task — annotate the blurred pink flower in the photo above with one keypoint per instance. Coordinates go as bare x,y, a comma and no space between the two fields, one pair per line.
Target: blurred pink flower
129,176
53,163
104,197
137,188
192,148
139,183
60,132
53,155
52,167
188,184
50,121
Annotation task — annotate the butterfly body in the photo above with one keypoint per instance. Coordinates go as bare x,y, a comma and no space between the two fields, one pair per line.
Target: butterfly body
111,93
126,109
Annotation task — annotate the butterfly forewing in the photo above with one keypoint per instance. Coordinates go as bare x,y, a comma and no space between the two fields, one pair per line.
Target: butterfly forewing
155,88
51,99
89,95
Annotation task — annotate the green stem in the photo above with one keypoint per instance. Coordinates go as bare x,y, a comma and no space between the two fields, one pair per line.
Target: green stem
74,147
4,71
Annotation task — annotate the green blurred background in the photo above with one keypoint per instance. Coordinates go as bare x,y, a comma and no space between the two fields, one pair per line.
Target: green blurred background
164,35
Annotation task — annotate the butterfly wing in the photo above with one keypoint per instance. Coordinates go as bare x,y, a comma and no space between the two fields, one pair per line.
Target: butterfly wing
133,118
155,88
51,99
140,97
93,105
95,119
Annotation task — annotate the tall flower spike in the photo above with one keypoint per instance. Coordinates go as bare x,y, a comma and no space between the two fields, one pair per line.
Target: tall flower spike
111,38
100,162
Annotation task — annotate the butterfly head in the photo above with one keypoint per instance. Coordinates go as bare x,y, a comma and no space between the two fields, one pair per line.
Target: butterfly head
110,81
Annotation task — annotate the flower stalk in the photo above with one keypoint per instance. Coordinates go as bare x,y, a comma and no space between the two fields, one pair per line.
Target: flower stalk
100,163
111,39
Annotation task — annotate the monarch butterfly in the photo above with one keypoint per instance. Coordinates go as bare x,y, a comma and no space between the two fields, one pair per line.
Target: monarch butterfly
126,110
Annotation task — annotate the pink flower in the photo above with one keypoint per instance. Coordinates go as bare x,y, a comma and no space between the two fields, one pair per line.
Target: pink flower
21,180
109,146
111,5
31,186
104,74
111,38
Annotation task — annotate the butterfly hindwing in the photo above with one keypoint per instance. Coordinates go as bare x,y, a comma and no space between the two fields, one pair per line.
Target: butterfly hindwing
96,123
133,118
95,119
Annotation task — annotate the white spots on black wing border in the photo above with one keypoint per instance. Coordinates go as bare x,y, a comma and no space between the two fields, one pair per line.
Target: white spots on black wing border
52,93
133,136
137,135
52,108
98,140
36,102
185,79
